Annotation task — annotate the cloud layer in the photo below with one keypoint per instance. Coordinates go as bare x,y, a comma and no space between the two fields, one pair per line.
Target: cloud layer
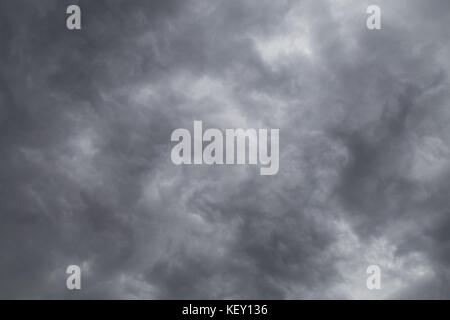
85,170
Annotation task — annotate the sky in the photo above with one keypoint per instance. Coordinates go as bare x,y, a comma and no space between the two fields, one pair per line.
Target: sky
86,177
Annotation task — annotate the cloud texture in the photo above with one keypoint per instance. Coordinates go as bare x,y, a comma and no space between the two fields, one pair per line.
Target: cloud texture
86,177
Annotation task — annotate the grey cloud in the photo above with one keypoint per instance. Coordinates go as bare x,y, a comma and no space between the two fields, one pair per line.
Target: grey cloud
86,118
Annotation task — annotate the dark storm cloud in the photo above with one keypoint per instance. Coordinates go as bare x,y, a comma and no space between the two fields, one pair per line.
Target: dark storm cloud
86,118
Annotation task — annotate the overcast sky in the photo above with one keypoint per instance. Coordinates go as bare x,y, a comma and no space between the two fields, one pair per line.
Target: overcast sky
85,170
